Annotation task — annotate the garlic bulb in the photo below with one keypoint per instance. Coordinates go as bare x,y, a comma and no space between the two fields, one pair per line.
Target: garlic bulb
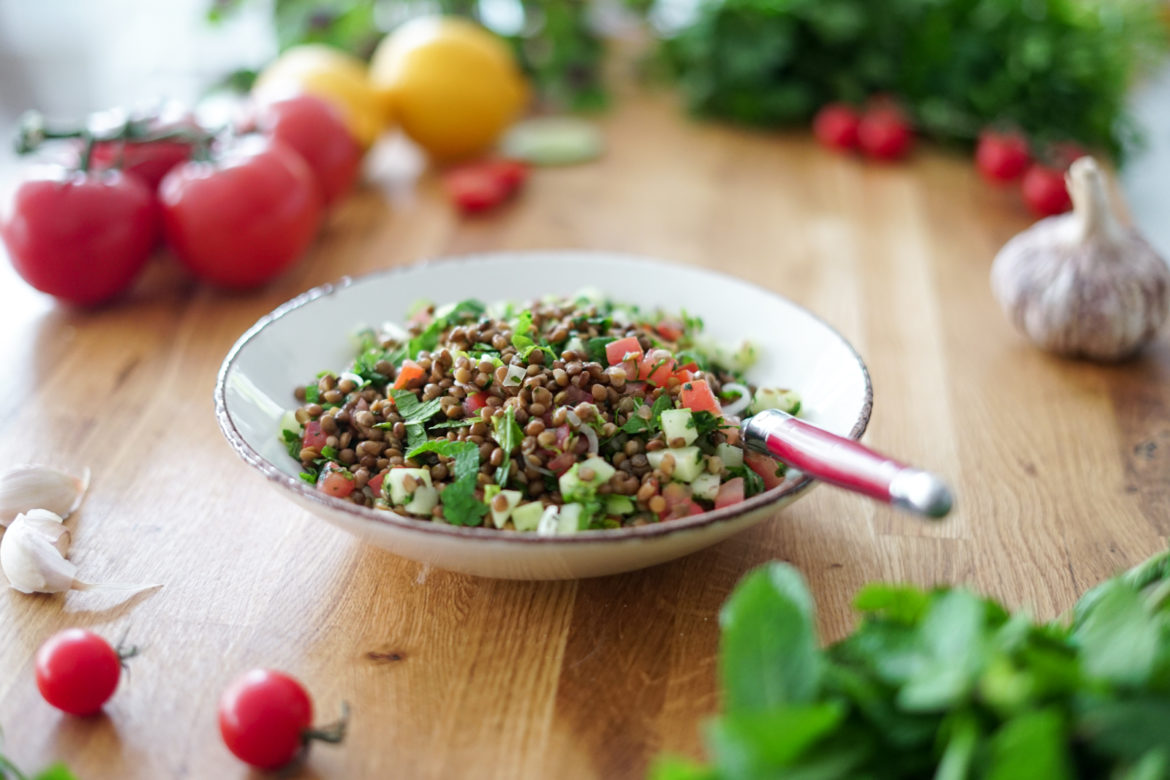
40,487
1081,284
32,556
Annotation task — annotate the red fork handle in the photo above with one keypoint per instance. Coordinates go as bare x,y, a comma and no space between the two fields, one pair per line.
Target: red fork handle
846,463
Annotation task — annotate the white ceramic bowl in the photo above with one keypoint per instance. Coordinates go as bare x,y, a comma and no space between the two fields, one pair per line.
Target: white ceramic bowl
311,333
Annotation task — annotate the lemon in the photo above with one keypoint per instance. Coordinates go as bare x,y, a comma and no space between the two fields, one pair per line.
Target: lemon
332,75
450,84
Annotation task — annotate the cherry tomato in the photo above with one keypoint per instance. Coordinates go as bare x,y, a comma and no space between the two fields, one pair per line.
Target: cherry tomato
836,126
315,130
242,219
1044,191
474,190
263,718
81,237
77,671
512,173
1001,157
150,162
884,133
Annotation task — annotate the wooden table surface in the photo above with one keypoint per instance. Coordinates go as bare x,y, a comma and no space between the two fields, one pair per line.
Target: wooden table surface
1060,470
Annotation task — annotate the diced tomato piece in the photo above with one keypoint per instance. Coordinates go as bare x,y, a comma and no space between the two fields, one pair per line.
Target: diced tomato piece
684,375
421,317
671,330
409,372
617,351
474,402
730,493
375,483
314,436
563,433
695,508
732,435
335,482
764,466
474,189
656,367
697,396
692,366
678,500
561,463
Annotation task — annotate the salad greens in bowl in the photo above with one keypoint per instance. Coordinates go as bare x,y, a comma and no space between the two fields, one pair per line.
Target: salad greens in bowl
553,415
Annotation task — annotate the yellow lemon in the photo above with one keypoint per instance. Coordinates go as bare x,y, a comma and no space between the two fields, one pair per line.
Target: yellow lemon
450,84
332,75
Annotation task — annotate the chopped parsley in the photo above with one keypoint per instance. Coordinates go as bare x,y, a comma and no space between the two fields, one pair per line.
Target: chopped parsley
639,424
704,422
312,393
460,506
414,415
293,442
595,349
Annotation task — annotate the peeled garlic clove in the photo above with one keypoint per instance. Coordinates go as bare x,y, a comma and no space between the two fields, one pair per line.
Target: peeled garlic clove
40,487
1083,284
32,554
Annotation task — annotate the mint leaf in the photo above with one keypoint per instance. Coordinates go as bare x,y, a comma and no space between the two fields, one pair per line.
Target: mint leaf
56,771
411,409
1118,640
768,656
764,744
1030,745
507,434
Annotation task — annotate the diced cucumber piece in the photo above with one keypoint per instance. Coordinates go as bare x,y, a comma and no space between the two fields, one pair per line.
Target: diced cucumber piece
513,499
738,358
618,505
575,345
553,141
289,423
425,499
679,424
526,517
705,486
688,462
395,489
602,471
569,519
775,398
731,455
547,525
573,488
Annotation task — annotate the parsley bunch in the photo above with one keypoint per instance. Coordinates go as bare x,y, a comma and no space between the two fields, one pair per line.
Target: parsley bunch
942,684
1057,69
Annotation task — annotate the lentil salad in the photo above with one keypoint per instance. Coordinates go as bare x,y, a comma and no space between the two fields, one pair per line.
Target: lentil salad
554,416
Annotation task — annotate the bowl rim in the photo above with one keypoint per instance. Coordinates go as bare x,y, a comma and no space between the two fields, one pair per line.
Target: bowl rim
303,490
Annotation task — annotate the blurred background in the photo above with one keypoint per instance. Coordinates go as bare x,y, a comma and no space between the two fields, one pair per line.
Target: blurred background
1091,73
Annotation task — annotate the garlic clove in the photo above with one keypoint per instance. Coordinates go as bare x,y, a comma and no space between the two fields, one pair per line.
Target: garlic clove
31,487
31,554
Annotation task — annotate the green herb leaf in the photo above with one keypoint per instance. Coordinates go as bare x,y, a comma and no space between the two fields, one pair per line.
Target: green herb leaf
768,655
595,349
312,393
411,409
460,506
507,434
1119,642
56,771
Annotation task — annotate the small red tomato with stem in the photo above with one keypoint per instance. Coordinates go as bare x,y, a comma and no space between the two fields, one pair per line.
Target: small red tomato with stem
884,133
241,218
836,126
80,236
313,129
1001,156
1044,191
77,671
265,719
